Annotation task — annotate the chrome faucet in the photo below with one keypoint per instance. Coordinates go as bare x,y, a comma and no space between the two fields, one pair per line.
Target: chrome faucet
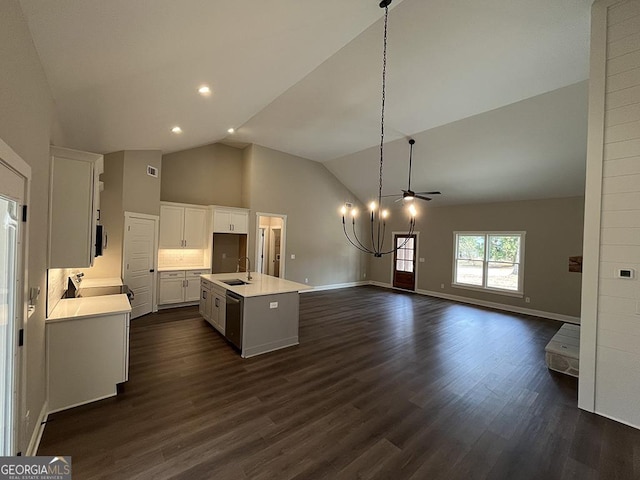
249,277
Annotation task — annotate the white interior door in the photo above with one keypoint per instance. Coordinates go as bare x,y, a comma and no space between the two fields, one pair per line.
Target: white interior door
12,193
139,261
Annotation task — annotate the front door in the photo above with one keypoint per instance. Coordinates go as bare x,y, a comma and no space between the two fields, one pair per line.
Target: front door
139,261
12,195
404,262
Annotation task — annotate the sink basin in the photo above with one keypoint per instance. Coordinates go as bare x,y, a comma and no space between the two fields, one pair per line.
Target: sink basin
235,281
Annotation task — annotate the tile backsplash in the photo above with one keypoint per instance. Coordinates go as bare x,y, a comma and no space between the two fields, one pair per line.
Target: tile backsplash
56,285
181,258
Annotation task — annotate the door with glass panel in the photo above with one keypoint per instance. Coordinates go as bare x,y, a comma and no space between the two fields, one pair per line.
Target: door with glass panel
404,262
12,188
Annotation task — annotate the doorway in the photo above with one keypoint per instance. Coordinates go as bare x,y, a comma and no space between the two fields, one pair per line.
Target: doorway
14,184
404,261
139,261
270,244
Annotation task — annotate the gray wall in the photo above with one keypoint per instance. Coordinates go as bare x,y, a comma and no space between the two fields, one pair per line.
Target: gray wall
311,197
554,232
25,125
141,192
127,188
208,175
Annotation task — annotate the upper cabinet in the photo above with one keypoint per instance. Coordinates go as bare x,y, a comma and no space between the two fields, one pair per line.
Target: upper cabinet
74,203
230,220
183,226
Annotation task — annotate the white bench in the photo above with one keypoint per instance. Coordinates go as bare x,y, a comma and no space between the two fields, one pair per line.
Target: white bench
562,353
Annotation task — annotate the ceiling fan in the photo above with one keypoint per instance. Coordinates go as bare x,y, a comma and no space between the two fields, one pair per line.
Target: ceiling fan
408,194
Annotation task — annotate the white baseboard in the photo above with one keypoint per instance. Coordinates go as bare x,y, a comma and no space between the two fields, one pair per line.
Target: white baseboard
34,443
616,419
335,286
494,305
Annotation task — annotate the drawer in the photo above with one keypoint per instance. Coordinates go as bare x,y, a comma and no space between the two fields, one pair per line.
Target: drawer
175,274
219,290
196,273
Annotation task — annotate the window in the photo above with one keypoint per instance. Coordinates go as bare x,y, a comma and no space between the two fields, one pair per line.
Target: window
405,253
489,261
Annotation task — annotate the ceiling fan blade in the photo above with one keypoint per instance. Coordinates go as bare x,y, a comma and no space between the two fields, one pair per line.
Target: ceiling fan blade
394,195
423,198
400,199
429,193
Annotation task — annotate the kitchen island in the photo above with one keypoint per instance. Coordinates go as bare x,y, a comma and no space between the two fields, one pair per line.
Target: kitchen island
256,316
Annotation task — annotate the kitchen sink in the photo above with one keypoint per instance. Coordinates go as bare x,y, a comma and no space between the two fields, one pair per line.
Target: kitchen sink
235,281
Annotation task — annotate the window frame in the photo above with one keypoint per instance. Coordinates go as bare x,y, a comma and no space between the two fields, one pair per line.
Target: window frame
485,262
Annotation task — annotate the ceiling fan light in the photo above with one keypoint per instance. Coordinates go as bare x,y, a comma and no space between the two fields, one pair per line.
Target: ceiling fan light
408,198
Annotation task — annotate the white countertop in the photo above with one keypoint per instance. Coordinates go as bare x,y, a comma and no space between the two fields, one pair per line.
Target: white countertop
259,284
100,282
173,269
75,308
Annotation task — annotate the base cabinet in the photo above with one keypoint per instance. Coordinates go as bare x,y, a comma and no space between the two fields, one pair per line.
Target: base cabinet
86,359
213,305
182,286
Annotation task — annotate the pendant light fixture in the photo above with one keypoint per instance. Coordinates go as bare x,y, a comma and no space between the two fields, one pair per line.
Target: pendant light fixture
378,216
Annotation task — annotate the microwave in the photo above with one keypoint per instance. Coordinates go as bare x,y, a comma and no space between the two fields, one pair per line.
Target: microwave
101,240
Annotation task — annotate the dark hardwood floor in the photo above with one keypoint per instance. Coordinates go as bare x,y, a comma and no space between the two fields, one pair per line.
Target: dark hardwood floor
383,385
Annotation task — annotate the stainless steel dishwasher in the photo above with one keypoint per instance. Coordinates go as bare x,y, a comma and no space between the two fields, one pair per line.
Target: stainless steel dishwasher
233,327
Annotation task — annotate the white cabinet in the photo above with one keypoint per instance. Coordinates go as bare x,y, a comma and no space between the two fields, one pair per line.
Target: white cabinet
195,228
213,304
230,220
171,226
74,202
180,286
192,284
183,226
86,359
205,300
171,288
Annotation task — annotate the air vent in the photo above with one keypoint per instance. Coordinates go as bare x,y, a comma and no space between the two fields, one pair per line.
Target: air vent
152,171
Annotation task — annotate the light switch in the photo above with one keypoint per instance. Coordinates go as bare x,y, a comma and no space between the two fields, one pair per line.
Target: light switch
293,256
273,305
421,260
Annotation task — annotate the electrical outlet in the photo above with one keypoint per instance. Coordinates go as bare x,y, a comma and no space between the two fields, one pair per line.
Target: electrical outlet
527,299
273,305
293,256
364,275
421,259
442,285
306,280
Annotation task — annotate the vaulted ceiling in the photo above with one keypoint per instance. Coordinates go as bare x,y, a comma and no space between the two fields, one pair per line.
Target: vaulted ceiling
493,91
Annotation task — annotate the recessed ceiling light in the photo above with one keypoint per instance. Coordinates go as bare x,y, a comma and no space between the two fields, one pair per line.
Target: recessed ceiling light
231,130
176,129
204,90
